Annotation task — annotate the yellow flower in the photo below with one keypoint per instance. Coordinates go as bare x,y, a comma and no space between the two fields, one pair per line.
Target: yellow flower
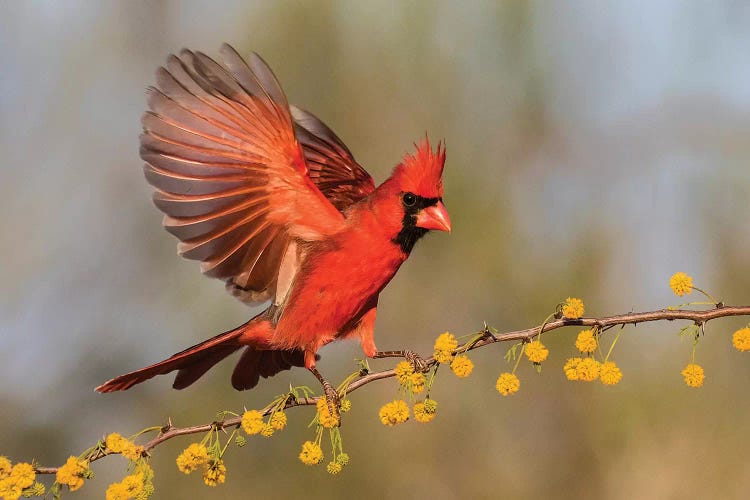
215,473
192,457
130,487
22,475
609,373
571,368
421,414
324,415
118,444
311,453
346,405
278,420
536,352
72,472
417,382
445,344
588,369
586,341
403,371
5,467
35,490
741,339
572,308
9,490
147,473
395,412
694,375
334,468
267,431
462,366
116,491
430,405
681,284
252,422
507,384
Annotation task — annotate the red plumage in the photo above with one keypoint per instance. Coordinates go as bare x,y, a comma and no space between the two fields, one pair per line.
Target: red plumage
271,201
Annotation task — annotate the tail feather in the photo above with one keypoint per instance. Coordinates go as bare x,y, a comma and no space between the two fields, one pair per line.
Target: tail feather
192,363
255,363
189,374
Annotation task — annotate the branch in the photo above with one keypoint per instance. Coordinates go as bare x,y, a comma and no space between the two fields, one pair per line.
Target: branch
698,317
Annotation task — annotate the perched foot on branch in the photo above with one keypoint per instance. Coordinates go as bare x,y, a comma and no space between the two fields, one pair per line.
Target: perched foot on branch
420,365
332,395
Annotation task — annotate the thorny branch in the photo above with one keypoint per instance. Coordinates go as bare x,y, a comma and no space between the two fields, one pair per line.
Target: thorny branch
698,317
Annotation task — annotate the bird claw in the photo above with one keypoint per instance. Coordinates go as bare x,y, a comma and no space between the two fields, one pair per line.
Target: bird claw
420,365
332,400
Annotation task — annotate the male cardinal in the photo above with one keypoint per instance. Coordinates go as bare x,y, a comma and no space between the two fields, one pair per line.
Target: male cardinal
271,201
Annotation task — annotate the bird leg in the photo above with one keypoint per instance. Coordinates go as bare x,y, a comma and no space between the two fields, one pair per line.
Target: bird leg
420,365
332,395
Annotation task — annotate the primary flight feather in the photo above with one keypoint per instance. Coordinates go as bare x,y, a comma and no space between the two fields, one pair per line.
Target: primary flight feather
271,201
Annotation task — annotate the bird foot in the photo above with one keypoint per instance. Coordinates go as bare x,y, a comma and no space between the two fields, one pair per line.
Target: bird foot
332,400
420,365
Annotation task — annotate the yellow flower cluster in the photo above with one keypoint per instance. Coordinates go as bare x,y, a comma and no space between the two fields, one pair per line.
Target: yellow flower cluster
325,418
215,473
462,366
609,373
395,412
343,459
252,422
507,384
311,453
404,370
681,284
15,479
425,411
586,341
278,420
408,378
573,308
741,339
334,468
571,368
445,344
71,474
536,352
346,405
127,448
418,381
267,431
193,457
130,487
589,369
694,375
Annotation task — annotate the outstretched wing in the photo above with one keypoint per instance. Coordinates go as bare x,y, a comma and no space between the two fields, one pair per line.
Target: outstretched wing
331,165
220,148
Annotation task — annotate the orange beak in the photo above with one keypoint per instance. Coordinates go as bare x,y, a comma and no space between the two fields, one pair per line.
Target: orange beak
434,217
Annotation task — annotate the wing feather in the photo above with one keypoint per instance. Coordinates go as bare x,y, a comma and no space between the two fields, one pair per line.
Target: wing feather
230,175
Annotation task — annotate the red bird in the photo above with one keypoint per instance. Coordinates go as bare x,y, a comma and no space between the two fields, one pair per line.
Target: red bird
271,201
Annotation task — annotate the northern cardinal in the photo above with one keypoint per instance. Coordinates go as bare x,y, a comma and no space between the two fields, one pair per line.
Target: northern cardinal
271,201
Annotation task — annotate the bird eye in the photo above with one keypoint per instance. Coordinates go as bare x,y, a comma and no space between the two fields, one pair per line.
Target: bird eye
410,199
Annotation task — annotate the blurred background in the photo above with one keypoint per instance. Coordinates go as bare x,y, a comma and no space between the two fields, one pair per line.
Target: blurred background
594,148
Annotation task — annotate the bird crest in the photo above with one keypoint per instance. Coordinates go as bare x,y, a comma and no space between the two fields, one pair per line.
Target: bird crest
421,172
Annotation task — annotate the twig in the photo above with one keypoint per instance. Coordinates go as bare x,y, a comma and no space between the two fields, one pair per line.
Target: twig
698,317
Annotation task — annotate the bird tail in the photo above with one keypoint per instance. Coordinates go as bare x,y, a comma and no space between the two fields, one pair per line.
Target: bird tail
192,363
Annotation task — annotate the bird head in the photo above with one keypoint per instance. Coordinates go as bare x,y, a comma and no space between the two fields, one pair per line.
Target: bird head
415,194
